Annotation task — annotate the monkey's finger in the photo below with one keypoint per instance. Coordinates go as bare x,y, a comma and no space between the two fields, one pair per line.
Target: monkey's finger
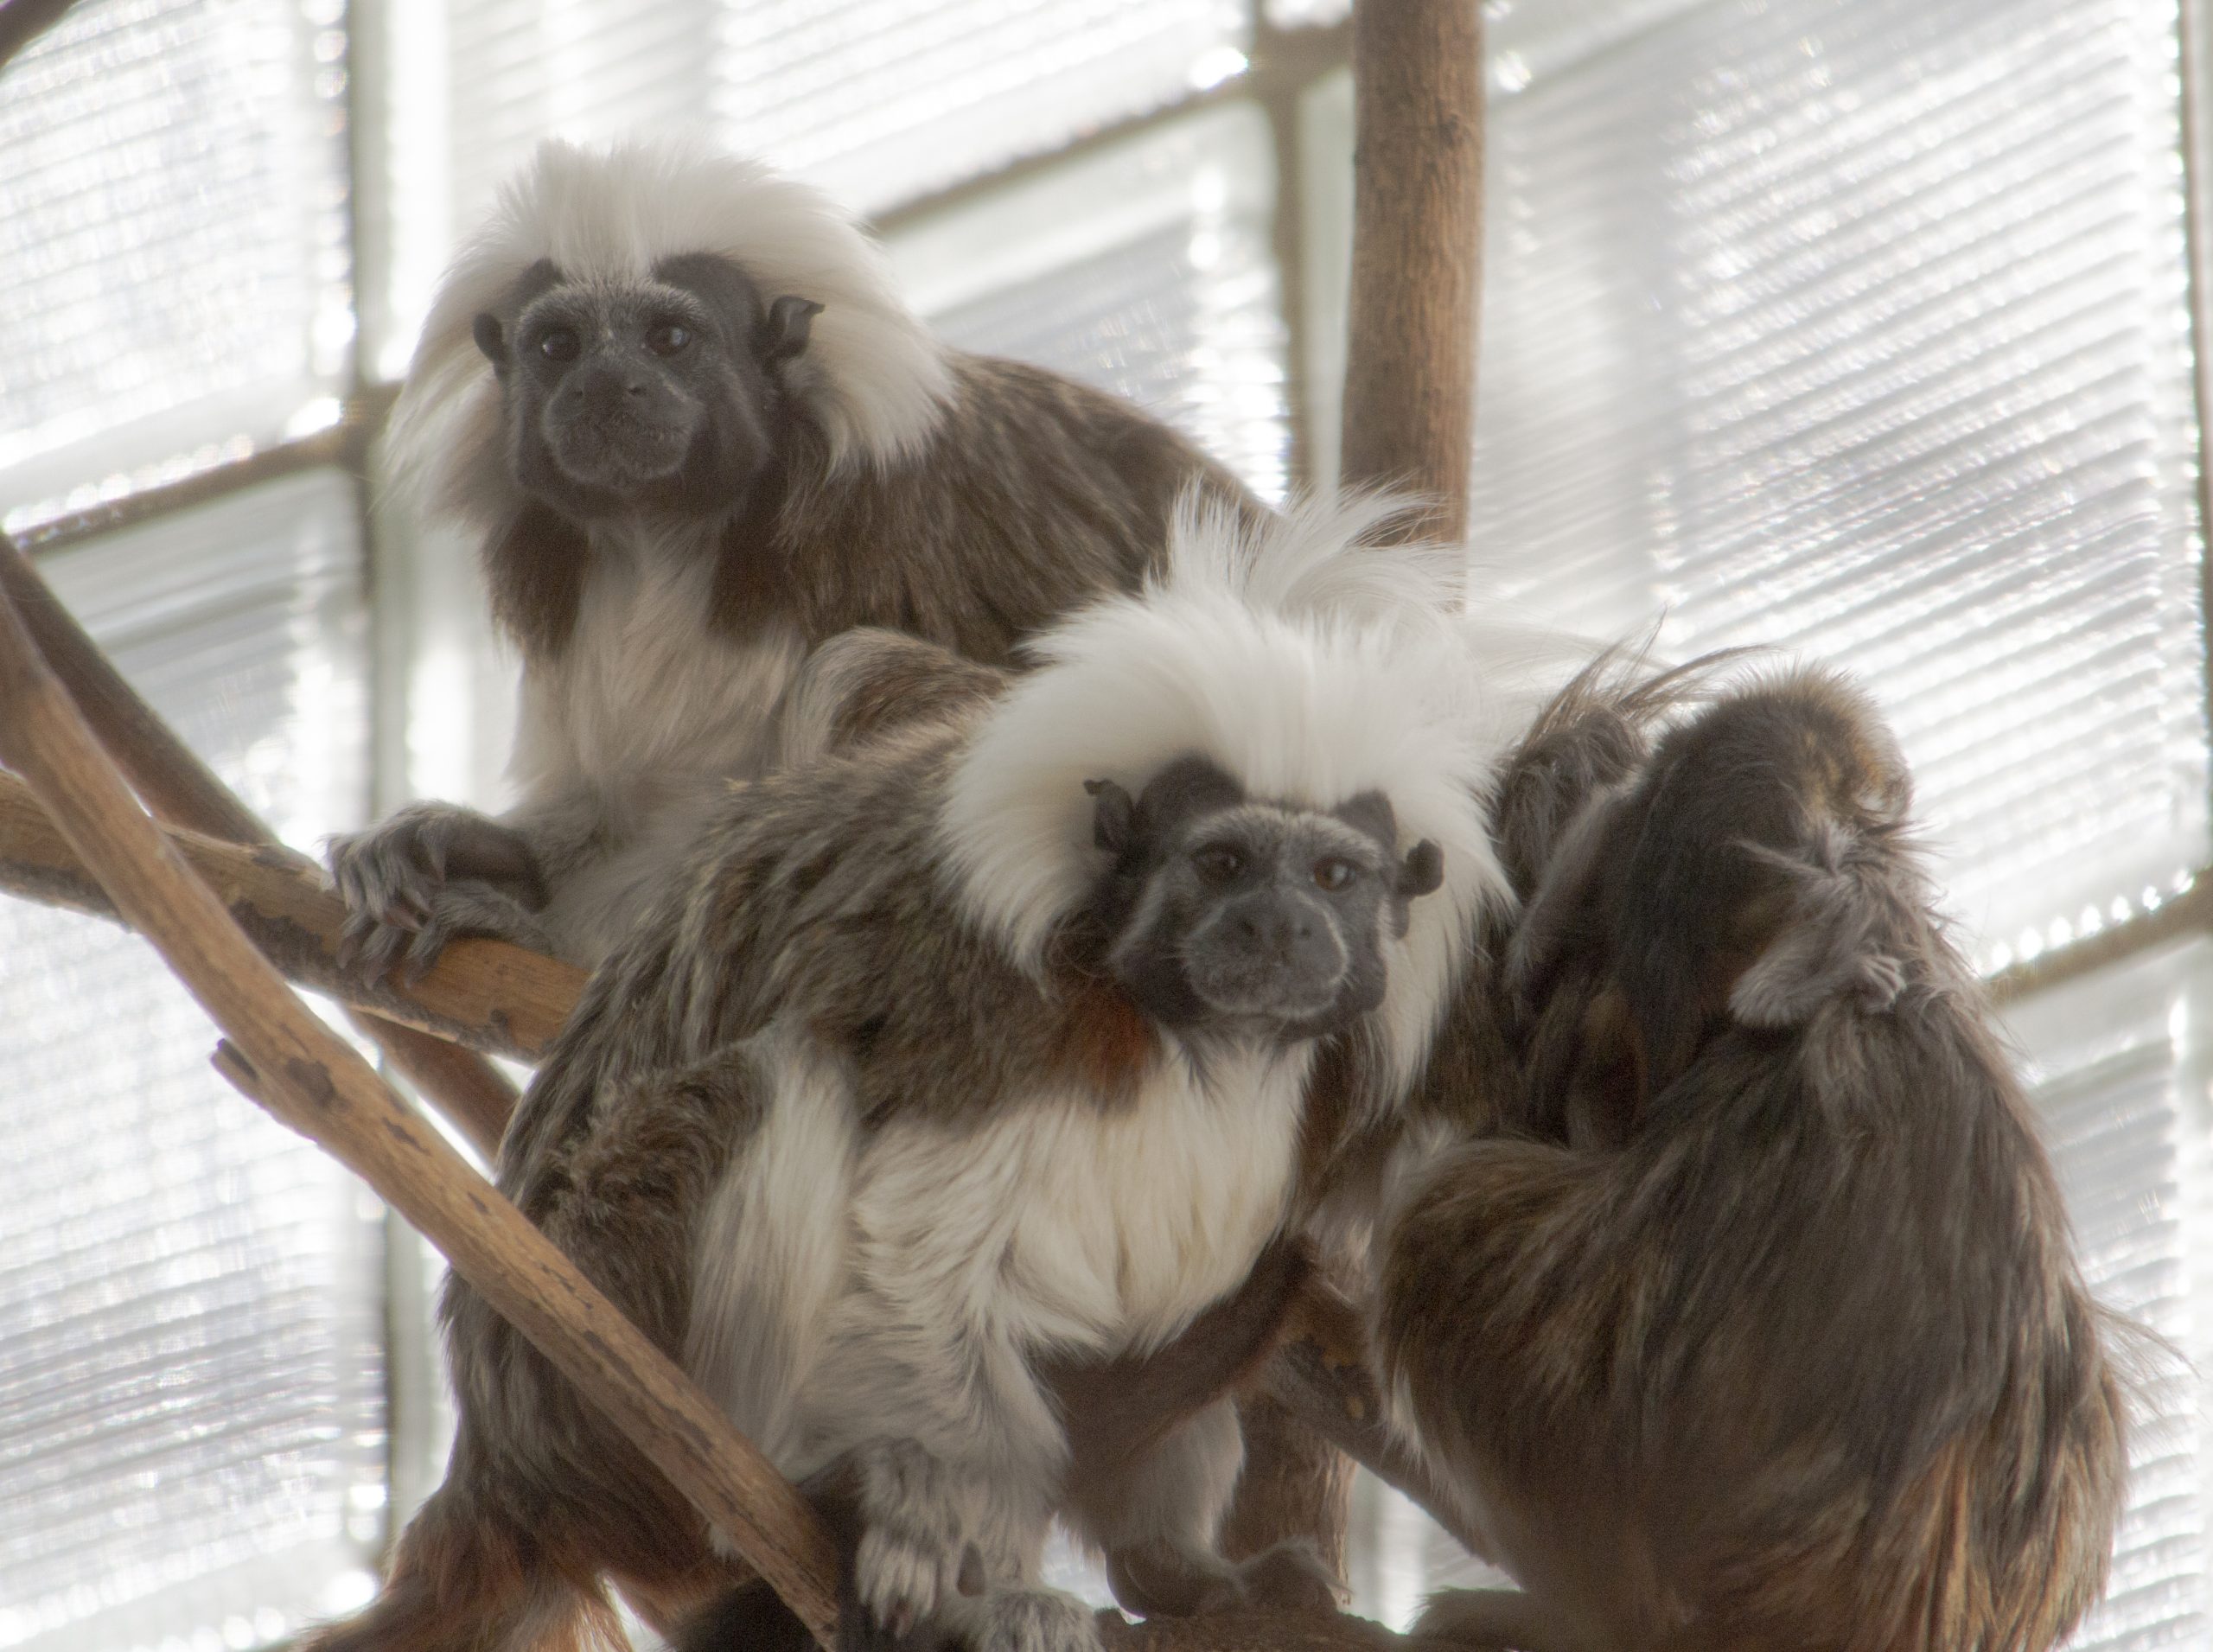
375,948
900,1581
423,950
346,873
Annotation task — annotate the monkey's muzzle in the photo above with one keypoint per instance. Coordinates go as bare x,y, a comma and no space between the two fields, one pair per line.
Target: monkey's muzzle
1269,955
615,430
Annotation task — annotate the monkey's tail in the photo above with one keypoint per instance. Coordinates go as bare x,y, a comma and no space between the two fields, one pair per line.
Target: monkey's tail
465,1578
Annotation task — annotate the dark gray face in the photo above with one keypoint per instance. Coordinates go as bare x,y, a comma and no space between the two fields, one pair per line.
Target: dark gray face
1252,918
659,395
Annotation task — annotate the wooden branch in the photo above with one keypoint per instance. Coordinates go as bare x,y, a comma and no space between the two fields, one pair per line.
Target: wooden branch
1417,251
182,790
485,994
312,1080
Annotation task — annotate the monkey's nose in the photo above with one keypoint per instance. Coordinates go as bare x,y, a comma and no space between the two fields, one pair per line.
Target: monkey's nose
1273,928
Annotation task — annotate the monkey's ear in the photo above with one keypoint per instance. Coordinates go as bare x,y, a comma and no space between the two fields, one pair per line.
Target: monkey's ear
1111,826
1422,872
492,341
783,331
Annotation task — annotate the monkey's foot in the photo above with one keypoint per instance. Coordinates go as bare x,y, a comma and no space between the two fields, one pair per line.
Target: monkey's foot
1158,1579
1025,1620
914,1553
1290,1576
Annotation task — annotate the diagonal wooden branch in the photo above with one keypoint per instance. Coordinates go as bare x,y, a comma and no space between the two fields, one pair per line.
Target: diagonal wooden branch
314,1081
182,790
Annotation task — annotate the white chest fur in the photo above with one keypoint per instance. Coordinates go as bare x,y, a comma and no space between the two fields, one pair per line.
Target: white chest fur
645,690
846,1284
626,738
1086,1228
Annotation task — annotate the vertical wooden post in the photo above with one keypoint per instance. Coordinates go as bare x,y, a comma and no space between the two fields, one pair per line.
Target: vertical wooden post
1409,421
1417,251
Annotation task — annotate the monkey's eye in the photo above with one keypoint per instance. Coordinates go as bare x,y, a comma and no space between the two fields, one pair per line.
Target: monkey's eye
666,338
1333,872
560,344
1218,862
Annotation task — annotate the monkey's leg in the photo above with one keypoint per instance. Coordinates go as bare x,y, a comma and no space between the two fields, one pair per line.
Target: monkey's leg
540,1482
953,1538
464,1577
432,871
1156,1518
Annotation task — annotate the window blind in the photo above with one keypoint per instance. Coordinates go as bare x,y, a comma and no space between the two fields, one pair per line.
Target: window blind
2119,1067
191,1374
173,225
1162,289
1856,328
876,101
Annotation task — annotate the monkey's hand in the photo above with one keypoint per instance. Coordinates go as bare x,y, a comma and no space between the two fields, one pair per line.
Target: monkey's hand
431,872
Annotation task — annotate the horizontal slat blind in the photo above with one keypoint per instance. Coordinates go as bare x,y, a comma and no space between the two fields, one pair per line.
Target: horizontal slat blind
173,228
1163,290
2120,1064
191,1371
1856,328
876,100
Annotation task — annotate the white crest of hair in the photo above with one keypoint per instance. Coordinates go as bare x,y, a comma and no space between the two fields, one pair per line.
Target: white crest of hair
1323,555
1311,665
871,373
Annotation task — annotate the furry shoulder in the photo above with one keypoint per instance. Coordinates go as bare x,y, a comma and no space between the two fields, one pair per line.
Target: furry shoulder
873,374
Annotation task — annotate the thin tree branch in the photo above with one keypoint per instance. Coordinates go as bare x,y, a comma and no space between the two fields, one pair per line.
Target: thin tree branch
312,1080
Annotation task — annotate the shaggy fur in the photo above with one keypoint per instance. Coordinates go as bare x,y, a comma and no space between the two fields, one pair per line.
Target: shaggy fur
1750,1321
850,471
865,1167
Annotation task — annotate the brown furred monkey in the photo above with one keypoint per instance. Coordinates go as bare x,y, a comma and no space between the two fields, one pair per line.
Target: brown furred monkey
1757,1325
696,431
963,1052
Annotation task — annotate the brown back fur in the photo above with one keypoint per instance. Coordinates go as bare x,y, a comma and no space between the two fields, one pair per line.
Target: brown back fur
1751,1320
